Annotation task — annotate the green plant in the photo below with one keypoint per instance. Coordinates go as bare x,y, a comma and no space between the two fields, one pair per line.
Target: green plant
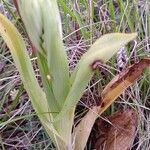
55,103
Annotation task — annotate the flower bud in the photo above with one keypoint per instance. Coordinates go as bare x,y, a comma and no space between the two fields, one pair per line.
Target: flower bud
42,22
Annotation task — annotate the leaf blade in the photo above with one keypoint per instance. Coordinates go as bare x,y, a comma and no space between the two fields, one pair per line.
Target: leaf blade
56,55
87,65
19,53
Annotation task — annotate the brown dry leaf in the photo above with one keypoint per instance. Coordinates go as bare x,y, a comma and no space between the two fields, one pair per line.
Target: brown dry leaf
111,92
120,134
120,82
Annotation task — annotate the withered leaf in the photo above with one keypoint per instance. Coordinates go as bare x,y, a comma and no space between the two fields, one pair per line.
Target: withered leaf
121,82
118,133
111,92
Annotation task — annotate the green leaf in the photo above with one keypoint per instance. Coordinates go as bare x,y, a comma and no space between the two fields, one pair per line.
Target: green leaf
28,10
56,55
100,52
47,84
45,32
19,53
18,50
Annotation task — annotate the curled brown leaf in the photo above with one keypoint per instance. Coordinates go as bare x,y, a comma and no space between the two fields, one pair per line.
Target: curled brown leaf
120,82
111,92
117,133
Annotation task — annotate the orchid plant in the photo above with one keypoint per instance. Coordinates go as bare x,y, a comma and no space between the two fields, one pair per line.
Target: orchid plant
55,102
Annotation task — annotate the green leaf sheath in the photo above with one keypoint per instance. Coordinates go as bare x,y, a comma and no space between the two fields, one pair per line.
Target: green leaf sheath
47,84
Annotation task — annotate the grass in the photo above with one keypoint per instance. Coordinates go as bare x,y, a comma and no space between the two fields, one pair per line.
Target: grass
19,128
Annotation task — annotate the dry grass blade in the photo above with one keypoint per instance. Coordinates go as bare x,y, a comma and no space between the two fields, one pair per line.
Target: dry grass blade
118,85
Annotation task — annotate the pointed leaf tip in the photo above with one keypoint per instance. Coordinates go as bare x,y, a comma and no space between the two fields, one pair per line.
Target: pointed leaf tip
101,51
